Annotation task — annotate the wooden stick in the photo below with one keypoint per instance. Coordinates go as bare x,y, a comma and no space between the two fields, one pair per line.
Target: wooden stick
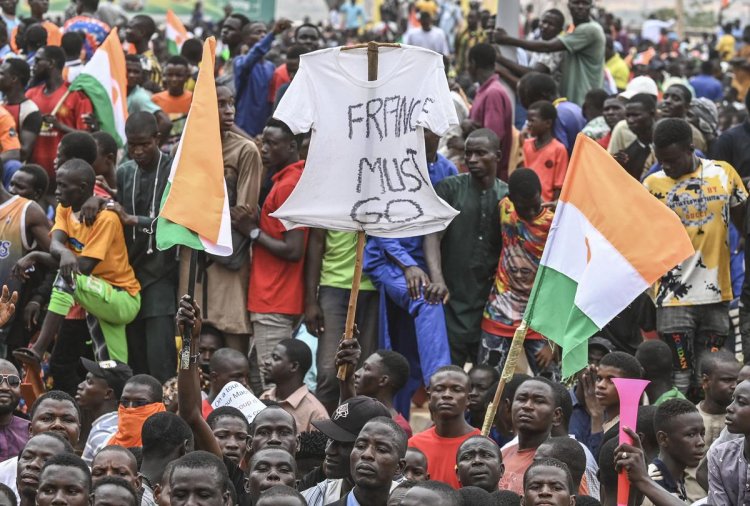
187,331
351,310
516,347
60,103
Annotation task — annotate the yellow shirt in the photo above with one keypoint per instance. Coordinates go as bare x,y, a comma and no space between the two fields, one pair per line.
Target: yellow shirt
702,199
725,47
619,70
103,241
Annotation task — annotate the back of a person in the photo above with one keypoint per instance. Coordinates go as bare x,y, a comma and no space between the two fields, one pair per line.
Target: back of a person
550,162
94,31
570,122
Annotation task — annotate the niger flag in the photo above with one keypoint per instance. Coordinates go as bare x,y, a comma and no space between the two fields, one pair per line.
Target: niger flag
175,32
195,208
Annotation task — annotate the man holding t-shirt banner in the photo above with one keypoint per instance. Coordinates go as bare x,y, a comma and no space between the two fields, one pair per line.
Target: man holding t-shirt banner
93,270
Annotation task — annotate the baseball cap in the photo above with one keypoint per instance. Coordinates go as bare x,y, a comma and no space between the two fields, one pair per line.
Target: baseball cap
601,342
640,84
349,418
114,372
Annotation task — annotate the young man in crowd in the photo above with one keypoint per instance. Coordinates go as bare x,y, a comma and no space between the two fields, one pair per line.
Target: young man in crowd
102,254
64,476
50,90
139,99
166,437
138,33
448,390
231,430
542,153
306,35
613,112
141,397
435,493
583,67
86,22
37,451
276,290
534,414
482,378
14,79
718,379
286,368
679,431
548,481
269,467
116,461
226,365
524,225
113,491
640,115
175,100
105,164
692,299
479,463
231,40
566,449
99,396
655,359
199,473
462,258
72,45
675,103
415,465
14,430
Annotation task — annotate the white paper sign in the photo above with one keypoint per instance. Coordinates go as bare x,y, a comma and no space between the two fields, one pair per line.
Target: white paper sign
235,395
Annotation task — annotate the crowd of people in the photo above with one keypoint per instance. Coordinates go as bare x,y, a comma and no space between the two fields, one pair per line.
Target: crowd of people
94,409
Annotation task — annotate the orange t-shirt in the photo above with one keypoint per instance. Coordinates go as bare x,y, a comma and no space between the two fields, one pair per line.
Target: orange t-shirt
172,105
516,463
550,163
8,133
440,453
103,241
54,35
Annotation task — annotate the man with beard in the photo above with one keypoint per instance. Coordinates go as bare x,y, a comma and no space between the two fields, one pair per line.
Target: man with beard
14,430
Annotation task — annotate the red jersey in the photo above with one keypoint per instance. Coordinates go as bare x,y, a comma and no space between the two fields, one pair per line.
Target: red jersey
440,453
71,113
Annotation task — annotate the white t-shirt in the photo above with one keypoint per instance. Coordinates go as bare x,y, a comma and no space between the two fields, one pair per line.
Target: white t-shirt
8,471
434,39
367,168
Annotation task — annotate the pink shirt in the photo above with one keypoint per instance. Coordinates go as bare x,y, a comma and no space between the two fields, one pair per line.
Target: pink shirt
492,109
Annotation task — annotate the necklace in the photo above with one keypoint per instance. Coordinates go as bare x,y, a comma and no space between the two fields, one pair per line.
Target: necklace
151,211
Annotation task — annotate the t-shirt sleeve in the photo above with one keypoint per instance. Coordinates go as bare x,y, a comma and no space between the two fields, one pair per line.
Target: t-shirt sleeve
103,232
561,167
437,113
32,122
61,219
739,193
446,188
580,38
8,134
297,106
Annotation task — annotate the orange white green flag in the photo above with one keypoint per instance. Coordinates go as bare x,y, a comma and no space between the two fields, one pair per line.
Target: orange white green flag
104,80
610,240
195,207
175,32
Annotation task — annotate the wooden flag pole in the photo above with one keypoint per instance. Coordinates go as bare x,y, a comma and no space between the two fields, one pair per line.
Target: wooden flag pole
372,75
516,347
187,330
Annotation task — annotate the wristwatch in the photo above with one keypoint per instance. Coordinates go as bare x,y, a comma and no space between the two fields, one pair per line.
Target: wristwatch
254,234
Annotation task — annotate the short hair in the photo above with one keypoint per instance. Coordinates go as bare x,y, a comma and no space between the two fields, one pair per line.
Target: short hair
137,452
646,100
162,433
7,492
401,438
670,409
451,368
177,60
37,172
596,97
644,425
55,395
134,58
524,182
241,18
687,95
442,489
79,144
298,351
105,142
670,131
306,25
56,56
67,447
205,461
587,500
266,410
152,383
68,460
117,482
20,69
90,5
267,449
283,491
550,384
147,22
707,67
625,362
510,387
119,449
563,401
711,361
72,43
547,462
396,367
36,34
608,476
224,354
81,168
489,135
558,13
295,52
483,438
655,358
141,122
474,496
537,86
192,49
483,55
546,110
486,368
505,498
277,123
226,412
568,450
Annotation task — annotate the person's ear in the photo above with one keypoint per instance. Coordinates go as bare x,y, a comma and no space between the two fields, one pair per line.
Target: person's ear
384,380
294,366
401,466
662,438
212,376
557,418
572,500
296,448
109,394
227,498
704,380
91,497
138,482
502,469
157,492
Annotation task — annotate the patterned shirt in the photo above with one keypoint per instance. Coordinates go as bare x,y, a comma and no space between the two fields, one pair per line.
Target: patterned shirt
728,478
702,199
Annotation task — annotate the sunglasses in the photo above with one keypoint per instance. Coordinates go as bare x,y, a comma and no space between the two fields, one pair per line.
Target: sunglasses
12,380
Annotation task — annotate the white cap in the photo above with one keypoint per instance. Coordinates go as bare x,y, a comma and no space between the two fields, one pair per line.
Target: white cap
640,84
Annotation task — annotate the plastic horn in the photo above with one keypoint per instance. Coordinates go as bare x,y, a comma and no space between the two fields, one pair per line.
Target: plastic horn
630,392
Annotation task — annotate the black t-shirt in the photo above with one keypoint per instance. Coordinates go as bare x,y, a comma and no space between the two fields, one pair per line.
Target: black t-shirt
237,477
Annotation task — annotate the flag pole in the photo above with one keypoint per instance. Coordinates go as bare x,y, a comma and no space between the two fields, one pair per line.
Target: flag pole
516,346
187,330
351,311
